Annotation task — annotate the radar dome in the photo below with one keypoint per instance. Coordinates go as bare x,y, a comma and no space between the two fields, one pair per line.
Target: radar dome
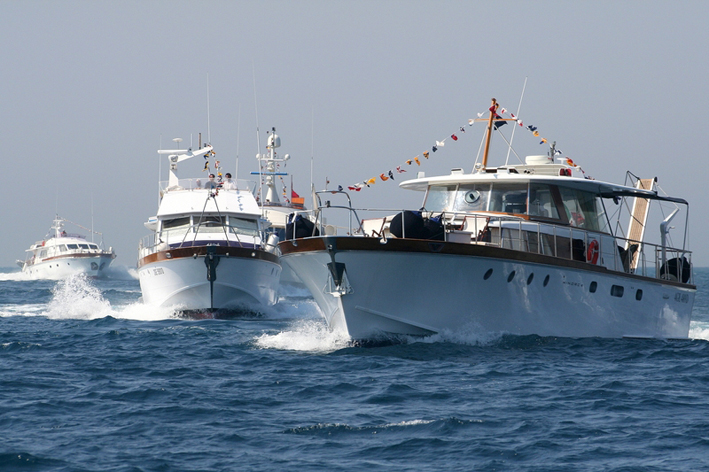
274,141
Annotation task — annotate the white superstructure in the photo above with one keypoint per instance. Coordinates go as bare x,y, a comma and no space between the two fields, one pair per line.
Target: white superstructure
207,250
61,254
521,249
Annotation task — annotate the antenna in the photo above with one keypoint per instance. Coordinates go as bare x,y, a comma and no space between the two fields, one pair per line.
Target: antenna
312,143
209,133
519,107
258,141
238,131
92,217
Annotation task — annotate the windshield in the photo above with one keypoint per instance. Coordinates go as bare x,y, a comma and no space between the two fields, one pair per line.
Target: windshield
583,209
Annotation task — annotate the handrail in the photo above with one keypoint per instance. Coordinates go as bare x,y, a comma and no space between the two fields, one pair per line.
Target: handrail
514,233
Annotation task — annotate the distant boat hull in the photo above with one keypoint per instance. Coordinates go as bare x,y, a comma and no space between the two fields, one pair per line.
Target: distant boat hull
58,268
179,277
370,289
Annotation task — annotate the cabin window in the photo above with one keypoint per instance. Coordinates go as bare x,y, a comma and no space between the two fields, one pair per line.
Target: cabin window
243,226
176,222
62,248
209,224
73,246
541,202
84,246
583,209
509,198
93,246
471,197
439,198
43,253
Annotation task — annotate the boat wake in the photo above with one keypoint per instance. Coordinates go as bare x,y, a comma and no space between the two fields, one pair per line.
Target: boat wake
699,330
16,276
305,335
77,298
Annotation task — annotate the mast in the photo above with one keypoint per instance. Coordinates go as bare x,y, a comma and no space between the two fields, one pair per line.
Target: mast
493,113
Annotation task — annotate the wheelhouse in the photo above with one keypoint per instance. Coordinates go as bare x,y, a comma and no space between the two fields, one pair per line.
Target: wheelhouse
530,200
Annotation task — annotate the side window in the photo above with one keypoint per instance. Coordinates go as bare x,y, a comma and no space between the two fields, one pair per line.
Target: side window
509,198
583,209
541,202
439,198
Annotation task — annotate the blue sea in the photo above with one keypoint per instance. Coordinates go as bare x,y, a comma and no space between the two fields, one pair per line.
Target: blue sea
93,380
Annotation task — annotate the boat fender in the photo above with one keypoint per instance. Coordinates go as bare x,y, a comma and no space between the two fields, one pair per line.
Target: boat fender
408,224
593,252
676,269
300,227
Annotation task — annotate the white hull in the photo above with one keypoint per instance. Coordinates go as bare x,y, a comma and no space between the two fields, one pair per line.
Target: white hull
407,289
182,281
63,267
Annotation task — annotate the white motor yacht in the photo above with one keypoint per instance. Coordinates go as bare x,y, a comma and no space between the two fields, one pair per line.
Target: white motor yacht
207,252
60,255
534,248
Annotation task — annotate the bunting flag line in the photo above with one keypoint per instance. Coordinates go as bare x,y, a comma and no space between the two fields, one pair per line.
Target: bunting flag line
499,120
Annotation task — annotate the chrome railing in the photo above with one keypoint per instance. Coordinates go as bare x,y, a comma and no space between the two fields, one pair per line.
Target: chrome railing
231,235
509,232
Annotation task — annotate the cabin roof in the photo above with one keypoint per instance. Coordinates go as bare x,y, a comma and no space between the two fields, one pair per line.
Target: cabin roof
604,189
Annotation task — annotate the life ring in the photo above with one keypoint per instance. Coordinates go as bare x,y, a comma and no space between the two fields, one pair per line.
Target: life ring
593,252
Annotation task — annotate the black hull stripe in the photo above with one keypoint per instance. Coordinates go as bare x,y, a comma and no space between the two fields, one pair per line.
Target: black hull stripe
181,253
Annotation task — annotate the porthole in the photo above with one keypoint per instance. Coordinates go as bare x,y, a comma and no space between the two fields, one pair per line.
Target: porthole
511,276
530,278
639,295
546,280
487,274
593,287
617,291
472,196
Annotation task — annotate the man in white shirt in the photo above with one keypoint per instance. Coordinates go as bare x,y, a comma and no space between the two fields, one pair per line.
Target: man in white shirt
228,183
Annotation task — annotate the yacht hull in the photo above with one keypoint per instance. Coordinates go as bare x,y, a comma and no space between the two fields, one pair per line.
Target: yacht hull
58,268
179,277
368,288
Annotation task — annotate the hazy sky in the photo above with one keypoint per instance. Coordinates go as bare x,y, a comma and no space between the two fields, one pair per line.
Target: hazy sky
90,89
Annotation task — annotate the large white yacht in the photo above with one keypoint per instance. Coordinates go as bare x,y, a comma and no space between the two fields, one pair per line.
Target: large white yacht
207,252
60,255
534,248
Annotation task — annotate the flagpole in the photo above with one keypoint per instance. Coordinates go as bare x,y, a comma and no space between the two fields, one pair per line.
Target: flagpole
493,112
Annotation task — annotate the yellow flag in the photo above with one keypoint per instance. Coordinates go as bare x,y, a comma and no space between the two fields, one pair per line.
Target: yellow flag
373,180
425,154
417,161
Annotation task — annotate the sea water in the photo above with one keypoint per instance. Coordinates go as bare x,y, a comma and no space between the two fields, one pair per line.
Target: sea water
93,380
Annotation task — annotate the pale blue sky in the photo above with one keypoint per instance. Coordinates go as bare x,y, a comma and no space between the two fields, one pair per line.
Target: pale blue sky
89,89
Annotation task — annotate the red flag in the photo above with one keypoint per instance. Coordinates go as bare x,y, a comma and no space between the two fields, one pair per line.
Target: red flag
454,137
293,194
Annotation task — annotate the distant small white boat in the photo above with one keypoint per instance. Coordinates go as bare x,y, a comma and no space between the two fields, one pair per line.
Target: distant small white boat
61,254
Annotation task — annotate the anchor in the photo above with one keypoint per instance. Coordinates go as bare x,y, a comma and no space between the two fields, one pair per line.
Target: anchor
211,260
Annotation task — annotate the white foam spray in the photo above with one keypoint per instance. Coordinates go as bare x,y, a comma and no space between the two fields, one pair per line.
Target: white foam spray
305,335
76,298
